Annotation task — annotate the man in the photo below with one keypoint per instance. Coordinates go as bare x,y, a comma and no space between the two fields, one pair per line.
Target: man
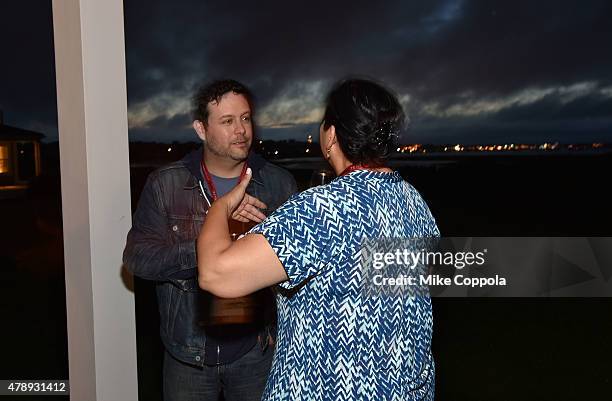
205,355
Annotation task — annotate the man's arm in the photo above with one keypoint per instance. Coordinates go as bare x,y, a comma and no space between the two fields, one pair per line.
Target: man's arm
292,189
148,252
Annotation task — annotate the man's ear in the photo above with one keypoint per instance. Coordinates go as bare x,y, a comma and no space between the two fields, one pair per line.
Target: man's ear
200,129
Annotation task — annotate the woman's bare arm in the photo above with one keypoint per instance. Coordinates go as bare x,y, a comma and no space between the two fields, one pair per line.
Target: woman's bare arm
231,269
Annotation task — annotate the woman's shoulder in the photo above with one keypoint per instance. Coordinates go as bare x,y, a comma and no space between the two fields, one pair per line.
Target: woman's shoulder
411,191
321,201
329,190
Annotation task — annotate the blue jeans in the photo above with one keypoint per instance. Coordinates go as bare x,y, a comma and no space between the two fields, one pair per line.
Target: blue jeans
241,380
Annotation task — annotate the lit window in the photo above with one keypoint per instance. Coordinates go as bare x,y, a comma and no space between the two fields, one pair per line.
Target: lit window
4,159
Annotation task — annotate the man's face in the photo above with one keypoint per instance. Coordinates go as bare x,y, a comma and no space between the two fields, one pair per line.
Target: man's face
229,131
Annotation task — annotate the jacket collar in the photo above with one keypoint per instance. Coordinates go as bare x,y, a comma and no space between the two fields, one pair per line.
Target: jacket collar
193,159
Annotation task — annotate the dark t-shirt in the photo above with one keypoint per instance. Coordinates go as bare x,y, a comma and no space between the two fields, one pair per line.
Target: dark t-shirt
227,343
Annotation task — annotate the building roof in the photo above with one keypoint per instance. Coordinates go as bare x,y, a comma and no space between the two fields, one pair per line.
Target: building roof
9,133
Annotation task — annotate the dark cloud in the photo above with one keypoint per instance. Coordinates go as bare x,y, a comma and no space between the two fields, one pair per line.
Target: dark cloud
267,44
27,69
445,52
450,56
430,47
497,47
588,108
476,131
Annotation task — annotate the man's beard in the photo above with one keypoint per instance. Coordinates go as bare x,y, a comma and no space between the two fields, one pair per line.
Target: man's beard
237,155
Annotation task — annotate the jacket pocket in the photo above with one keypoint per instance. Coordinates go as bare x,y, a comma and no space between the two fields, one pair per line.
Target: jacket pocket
182,228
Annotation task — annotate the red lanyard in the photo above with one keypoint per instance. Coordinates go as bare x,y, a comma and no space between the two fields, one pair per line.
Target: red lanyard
211,184
355,167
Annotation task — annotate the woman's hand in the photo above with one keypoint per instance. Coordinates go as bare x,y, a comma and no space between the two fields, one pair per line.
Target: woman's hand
242,206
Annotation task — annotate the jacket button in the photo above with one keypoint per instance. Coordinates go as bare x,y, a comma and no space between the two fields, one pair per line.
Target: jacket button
197,358
175,228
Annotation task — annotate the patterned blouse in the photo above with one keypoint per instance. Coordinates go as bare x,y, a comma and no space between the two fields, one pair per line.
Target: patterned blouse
334,342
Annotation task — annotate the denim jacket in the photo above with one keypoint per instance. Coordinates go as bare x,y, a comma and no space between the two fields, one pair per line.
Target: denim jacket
161,244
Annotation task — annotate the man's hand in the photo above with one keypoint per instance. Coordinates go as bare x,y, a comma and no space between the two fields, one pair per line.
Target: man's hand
242,206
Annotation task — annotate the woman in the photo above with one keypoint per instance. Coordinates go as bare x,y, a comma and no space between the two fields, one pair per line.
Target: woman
334,341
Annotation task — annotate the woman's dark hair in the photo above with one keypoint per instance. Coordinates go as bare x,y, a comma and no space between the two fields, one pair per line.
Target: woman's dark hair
368,119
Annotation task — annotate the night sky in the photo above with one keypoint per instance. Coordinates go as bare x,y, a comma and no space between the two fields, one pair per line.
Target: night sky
466,71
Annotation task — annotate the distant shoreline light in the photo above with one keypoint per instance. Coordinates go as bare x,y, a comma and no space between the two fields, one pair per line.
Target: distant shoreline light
512,147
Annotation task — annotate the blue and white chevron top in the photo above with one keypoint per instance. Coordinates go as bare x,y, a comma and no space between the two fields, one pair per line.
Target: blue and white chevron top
335,343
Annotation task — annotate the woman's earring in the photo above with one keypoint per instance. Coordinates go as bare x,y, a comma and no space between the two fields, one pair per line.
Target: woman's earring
328,151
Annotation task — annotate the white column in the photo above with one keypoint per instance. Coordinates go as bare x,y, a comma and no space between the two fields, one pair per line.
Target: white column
92,115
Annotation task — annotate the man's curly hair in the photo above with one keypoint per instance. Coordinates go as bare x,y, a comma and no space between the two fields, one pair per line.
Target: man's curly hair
213,92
